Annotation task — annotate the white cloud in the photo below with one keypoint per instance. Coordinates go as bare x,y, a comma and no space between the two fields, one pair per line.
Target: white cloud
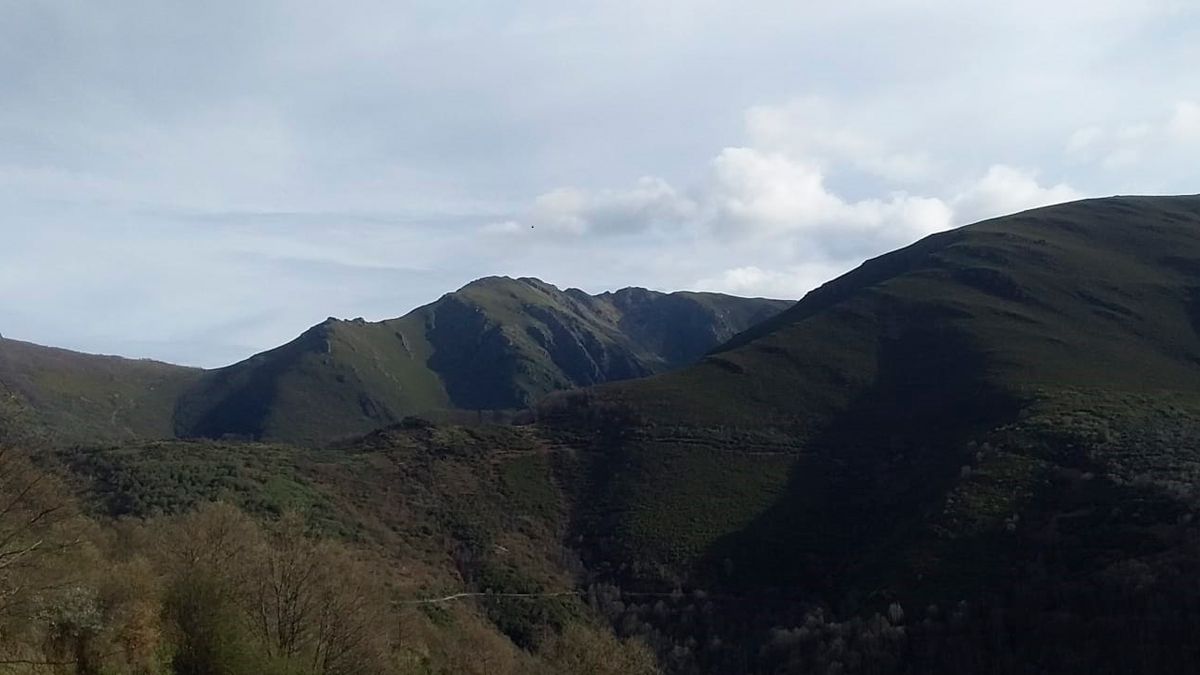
750,195
760,194
758,191
790,283
1005,189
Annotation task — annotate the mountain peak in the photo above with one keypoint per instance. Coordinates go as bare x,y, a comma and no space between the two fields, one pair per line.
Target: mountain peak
503,281
496,343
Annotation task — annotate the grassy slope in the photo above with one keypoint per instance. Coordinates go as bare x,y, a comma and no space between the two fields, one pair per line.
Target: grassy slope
497,343
71,397
830,437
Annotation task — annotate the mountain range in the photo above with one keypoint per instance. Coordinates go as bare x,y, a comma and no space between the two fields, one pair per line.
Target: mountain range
495,344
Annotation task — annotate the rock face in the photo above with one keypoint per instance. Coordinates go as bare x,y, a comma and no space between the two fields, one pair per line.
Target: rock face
495,344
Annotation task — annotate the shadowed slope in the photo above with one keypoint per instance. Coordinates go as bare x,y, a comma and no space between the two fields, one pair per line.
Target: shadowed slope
821,442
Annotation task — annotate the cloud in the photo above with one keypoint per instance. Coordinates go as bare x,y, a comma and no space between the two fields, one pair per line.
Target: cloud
1005,189
809,235
652,202
502,227
771,207
756,193
790,283
749,194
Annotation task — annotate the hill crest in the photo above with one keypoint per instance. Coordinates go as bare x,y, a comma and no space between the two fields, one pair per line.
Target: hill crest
497,343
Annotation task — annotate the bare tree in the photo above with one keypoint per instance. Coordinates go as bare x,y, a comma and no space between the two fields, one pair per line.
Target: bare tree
312,602
215,537
43,618
35,525
348,626
284,598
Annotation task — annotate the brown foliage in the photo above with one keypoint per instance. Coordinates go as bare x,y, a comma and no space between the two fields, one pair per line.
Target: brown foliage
584,650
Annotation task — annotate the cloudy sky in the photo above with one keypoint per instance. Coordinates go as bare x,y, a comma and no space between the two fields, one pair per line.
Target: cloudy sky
197,181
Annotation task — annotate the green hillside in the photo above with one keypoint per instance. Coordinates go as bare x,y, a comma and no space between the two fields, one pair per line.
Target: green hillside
496,344
79,398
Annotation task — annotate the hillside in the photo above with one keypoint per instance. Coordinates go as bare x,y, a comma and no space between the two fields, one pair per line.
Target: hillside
894,363
69,397
495,344
1006,413
364,541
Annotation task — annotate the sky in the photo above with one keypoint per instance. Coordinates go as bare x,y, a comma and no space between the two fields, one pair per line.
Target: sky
196,182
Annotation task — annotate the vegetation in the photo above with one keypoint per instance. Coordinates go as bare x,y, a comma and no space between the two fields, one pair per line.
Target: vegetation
205,587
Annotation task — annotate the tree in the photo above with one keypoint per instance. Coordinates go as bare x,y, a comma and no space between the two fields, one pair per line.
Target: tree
206,555
37,524
313,603
46,615
584,650
284,591
348,627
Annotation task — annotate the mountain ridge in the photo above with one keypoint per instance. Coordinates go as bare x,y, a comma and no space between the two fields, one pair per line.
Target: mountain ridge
496,343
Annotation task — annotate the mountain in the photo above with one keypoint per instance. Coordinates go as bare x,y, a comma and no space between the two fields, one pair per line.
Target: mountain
1007,413
495,344
884,370
66,396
